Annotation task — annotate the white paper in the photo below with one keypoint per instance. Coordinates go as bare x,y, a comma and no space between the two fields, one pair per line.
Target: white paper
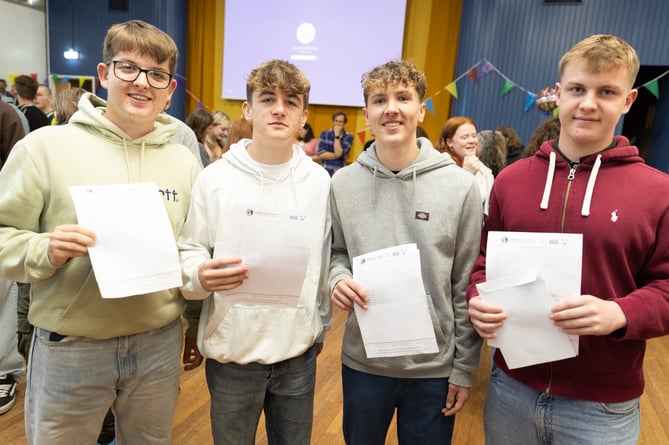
556,259
527,336
397,320
135,251
275,244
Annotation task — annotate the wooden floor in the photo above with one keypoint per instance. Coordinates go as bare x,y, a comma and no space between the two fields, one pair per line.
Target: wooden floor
191,421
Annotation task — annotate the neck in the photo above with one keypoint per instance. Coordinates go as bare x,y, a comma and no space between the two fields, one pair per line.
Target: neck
396,157
268,154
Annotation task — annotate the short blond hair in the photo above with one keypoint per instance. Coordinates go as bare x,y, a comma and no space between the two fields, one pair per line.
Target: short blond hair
278,74
394,73
601,52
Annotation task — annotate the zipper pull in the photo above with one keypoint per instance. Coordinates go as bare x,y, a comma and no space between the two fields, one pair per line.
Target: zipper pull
572,170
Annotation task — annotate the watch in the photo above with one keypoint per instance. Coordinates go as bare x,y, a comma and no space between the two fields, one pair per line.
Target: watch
337,137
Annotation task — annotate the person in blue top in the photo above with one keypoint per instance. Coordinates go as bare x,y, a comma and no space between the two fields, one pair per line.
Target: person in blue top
334,144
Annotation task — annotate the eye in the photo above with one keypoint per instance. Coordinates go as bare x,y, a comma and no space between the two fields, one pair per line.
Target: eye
158,75
576,90
127,67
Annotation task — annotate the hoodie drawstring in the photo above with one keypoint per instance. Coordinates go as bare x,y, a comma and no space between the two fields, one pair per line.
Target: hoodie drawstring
292,184
587,199
585,210
141,161
549,182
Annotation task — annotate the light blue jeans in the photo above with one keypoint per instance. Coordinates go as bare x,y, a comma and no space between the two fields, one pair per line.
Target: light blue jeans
284,390
516,414
73,382
11,362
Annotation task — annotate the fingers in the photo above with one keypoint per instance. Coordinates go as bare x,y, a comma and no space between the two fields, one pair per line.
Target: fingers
221,274
347,293
69,241
485,318
455,399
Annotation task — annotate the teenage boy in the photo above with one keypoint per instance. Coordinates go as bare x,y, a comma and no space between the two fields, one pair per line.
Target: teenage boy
422,197
90,353
261,352
590,182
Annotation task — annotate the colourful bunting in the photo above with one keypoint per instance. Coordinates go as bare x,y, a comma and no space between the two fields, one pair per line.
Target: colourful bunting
486,69
654,88
453,89
429,105
472,74
361,136
506,87
530,99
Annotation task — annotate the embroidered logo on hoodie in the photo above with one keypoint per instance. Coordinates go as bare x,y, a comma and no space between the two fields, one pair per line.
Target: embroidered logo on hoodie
423,216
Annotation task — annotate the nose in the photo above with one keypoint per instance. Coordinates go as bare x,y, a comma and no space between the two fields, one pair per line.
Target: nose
391,105
145,79
589,100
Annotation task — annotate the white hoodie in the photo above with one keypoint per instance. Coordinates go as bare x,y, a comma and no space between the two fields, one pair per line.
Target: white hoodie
243,333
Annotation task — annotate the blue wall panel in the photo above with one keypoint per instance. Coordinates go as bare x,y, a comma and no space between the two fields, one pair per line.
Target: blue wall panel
524,39
84,23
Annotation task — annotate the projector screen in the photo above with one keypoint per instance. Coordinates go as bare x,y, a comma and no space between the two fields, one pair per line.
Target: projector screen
332,42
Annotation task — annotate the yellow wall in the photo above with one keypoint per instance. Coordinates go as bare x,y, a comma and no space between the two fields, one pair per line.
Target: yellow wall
430,39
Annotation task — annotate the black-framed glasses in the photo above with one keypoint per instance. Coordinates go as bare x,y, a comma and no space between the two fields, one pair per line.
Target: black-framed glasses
129,72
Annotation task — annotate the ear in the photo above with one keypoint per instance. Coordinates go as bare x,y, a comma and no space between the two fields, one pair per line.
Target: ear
304,118
629,100
421,112
103,74
246,109
558,92
365,114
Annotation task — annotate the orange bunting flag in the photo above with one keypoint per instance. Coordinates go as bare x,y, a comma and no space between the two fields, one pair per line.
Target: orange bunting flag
453,89
361,136
472,74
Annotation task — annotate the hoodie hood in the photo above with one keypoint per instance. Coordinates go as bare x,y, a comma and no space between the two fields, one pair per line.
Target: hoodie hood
91,116
296,170
428,159
621,152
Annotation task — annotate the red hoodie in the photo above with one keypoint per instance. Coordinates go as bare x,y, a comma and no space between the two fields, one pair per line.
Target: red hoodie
621,206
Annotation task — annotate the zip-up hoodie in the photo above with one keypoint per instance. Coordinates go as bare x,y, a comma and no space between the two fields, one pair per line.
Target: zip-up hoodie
34,199
620,206
244,333
436,205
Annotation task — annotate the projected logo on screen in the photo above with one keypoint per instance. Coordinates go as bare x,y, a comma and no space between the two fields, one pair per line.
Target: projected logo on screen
306,33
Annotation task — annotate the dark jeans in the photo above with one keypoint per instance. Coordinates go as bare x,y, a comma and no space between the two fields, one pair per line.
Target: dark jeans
370,402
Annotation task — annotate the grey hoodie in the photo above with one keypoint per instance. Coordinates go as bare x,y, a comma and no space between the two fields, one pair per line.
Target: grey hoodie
435,204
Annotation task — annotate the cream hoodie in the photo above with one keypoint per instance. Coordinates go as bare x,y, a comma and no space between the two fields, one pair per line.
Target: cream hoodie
34,199
237,332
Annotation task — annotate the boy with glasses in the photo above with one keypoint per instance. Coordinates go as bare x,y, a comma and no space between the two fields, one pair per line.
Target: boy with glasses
91,353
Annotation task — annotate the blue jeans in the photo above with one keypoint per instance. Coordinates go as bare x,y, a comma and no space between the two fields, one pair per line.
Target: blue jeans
284,390
72,382
517,414
370,402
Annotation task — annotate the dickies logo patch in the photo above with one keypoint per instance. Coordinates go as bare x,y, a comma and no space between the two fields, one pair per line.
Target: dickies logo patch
422,216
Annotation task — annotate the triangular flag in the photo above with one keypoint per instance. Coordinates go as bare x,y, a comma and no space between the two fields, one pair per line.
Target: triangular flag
81,81
508,86
429,105
472,74
654,88
486,69
361,136
54,78
65,79
200,104
556,111
453,89
530,100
